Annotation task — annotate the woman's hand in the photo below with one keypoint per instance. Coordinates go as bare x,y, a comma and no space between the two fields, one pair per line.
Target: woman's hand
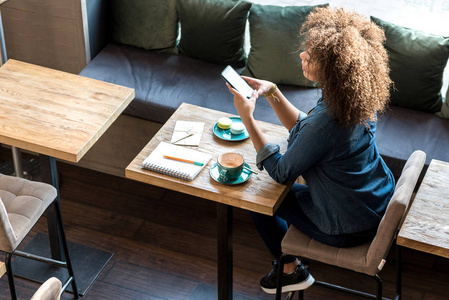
261,86
245,107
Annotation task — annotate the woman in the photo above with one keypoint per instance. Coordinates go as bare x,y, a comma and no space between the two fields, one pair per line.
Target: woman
333,147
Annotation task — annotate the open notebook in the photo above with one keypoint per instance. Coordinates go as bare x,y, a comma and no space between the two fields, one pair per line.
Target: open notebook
184,170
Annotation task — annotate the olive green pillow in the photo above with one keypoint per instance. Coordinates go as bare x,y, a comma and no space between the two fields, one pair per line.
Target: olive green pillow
275,43
213,30
152,25
417,62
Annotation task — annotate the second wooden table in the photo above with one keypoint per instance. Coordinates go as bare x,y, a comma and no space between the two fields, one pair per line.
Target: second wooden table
259,194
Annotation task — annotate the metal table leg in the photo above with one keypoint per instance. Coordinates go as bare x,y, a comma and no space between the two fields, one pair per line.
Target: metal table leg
50,175
225,255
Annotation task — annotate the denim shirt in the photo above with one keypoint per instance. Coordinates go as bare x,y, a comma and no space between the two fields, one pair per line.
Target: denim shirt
349,183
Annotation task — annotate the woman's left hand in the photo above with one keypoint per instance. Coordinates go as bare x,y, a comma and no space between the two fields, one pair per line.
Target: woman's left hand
245,107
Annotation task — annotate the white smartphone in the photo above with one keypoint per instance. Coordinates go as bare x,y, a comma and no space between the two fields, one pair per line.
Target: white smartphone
237,82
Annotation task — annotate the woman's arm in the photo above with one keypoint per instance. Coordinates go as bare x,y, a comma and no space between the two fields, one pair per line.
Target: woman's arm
245,108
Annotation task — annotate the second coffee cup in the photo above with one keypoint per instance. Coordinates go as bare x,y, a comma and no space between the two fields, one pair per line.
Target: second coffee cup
230,166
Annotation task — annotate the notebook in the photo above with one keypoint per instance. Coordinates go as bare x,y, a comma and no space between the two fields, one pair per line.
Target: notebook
158,163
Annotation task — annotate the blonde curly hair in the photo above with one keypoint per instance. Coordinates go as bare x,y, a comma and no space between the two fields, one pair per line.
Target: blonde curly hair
353,73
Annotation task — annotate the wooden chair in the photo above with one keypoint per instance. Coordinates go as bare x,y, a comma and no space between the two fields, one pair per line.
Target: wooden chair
369,258
22,204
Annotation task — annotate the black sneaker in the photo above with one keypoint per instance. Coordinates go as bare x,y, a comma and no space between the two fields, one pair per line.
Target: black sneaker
300,279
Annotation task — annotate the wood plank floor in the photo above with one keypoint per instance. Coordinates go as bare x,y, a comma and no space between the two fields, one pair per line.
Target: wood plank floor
164,246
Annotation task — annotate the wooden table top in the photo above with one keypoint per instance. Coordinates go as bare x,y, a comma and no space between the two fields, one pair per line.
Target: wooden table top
2,269
56,113
260,193
426,226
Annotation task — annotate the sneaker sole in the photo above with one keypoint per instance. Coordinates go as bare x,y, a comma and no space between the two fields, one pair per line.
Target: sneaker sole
293,287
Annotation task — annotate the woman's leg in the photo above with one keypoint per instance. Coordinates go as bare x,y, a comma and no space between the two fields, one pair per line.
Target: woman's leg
273,228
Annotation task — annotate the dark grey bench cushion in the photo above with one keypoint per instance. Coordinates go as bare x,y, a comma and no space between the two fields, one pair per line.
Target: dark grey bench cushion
162,82
401,131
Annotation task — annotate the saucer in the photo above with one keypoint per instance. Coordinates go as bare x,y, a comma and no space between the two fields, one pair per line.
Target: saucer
225,134
242,178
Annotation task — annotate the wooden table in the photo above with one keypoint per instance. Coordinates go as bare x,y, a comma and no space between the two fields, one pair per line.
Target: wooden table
426,226
58,115
2,269
260,193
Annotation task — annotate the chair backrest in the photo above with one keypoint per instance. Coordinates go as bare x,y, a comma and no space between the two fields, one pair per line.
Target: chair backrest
396,209
49,290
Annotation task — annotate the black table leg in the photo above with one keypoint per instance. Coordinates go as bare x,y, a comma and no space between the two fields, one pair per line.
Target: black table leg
225,255
50,175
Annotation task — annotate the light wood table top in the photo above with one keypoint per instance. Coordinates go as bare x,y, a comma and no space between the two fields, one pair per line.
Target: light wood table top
426,226
2,269
56,113
260,193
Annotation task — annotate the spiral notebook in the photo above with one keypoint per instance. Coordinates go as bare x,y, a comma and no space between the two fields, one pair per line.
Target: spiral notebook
158,163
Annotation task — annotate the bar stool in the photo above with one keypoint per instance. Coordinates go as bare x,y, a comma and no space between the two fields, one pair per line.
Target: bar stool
22,204
369,258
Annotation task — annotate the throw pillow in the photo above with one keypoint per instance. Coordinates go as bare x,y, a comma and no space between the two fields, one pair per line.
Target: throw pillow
152,25
444,113
213,30
417,62
275,43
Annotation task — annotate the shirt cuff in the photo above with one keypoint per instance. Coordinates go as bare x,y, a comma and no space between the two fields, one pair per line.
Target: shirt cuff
266,151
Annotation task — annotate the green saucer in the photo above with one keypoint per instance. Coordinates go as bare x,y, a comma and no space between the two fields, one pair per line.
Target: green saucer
242,178
225,134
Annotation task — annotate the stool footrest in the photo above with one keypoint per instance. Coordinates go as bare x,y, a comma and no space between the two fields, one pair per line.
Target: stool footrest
41,258
347,290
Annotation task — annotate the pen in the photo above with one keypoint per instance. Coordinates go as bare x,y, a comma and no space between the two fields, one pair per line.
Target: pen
184,160
189,135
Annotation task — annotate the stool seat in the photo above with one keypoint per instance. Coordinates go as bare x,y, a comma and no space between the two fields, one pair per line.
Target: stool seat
49,290
354,258
22,204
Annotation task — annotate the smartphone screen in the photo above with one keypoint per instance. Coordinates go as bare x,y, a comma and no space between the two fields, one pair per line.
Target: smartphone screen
237,82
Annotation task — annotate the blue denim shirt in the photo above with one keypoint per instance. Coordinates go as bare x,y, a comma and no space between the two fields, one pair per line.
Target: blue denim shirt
349,183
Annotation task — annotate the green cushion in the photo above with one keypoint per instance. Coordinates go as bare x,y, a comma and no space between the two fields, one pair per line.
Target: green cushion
444,113
213,30
275,42
417,62
152,25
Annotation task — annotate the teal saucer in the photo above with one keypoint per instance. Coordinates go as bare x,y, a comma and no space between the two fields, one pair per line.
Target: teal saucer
225,134
242,178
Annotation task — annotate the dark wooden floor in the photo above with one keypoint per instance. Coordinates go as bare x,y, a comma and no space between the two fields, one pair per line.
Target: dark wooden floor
164,246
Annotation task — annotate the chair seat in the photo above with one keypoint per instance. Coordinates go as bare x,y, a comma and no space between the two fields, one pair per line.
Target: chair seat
297,243
24,201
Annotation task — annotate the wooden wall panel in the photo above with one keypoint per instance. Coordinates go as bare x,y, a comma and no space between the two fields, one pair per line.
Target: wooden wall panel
56,8
49,33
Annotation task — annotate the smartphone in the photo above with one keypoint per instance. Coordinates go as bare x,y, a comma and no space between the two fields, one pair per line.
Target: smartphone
237,82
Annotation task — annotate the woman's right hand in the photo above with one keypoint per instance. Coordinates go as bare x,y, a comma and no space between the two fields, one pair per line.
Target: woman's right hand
262,87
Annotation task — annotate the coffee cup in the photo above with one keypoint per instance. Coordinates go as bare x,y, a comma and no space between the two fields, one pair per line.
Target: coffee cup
230,166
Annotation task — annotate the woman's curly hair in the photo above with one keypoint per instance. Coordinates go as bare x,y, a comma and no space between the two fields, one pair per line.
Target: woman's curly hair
352,63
